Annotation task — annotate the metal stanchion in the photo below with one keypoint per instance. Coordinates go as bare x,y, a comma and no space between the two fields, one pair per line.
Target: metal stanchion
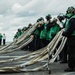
48,61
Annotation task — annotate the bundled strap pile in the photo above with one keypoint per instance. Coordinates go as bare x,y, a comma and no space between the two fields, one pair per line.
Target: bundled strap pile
34,57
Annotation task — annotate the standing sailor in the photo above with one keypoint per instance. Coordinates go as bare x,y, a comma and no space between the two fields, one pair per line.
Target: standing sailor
70,34
4,39
1,39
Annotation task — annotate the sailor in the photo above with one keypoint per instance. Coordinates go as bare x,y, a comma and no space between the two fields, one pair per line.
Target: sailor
4,39
70,34
19,32
37,33
63,54
43,34
35,44
1,39
49,25
53,30
60,19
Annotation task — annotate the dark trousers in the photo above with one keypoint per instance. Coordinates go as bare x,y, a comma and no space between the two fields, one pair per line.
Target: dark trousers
43,43
35,44
32,45
3,41
0,41
71,51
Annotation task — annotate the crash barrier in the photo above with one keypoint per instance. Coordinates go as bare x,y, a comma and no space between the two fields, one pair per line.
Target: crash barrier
33,57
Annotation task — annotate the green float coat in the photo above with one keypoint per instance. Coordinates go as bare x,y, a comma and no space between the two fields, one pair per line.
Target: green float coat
37,33
67,24
43,32
0,36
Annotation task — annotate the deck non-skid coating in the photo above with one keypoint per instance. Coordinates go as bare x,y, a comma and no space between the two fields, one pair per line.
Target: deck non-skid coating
56,68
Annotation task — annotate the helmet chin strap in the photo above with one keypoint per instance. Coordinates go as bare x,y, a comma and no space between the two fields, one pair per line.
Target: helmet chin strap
69,15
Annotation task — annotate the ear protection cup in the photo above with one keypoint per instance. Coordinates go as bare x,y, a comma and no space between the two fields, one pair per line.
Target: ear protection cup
72,10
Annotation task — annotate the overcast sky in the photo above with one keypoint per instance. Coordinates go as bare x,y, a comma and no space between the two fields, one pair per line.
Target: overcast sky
16,14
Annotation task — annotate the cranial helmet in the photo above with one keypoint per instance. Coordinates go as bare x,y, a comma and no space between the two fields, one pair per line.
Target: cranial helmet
48,17
70,11
19,29
60,16
40,19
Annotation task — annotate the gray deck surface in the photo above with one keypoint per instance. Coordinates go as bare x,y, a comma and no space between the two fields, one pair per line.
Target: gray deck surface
56,67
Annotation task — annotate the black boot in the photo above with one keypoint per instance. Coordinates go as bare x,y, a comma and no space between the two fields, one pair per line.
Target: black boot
69,70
